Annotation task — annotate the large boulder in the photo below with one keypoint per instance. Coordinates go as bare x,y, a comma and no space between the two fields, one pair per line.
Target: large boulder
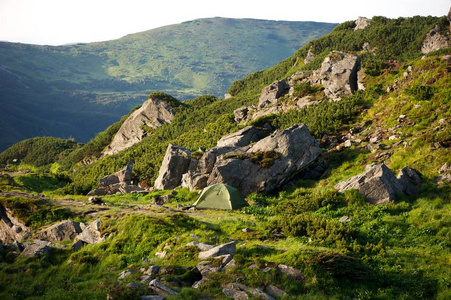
268,163
338,74
151,115
124,175
379,185
175,163
65,230
251,162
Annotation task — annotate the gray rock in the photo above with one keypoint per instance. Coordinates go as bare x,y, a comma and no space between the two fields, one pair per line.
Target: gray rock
338,75
200,246
152,114
309,57
378,184
199,283
345,219
290,271
97,192
161,289
125,273
240,113
410,181
65,230
151,297
38,248
235,294
242,137
78,245
133,285
295,148
175,163
275,291
12,229
224,249
91,234
272,92
259,294
361,23
124,175
435,40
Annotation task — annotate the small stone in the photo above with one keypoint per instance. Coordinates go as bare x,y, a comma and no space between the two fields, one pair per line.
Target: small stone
344,219
275,291
246,229
125,273
133,285
348,143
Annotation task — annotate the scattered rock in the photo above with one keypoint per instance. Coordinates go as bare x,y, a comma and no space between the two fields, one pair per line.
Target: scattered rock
96,200
199,283
224,249
200,246
125,273
91,234
38,248
161,289
272,92
275,291
259,294
290,271
65,230
345,219
152,297
133,285
410,181
11,228
119,182
78,245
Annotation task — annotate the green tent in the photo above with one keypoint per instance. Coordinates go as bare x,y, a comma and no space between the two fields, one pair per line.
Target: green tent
220,196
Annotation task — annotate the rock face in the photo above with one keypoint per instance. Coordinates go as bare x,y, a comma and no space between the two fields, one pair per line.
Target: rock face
11,229
338,74
379,185
435,40
65,230
272,92
246,160
151,115
361,23
119,182
176,162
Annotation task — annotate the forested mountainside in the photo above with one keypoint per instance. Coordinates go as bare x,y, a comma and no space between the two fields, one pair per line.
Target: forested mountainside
78,90
345,152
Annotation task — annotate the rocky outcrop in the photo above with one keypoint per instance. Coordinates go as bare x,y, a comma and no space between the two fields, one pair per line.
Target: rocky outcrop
175,163
435,40
338,75
119,182
151,115
65,230
379,185
11,228
361,23
249,160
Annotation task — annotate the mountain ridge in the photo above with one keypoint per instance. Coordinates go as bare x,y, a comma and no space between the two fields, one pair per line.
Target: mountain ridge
43,87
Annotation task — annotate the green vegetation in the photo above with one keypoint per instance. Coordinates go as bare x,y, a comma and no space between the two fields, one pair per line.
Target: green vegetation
38,151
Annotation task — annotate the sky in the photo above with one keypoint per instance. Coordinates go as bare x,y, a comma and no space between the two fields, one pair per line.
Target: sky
58,22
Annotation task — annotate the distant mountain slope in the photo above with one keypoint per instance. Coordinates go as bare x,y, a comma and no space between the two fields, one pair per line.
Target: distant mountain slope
78,90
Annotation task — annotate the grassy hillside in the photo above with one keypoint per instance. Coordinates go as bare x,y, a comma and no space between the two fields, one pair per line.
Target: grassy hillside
78,90
396,250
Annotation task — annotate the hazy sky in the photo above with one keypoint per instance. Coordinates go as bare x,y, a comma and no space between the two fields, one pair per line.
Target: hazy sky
56,22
